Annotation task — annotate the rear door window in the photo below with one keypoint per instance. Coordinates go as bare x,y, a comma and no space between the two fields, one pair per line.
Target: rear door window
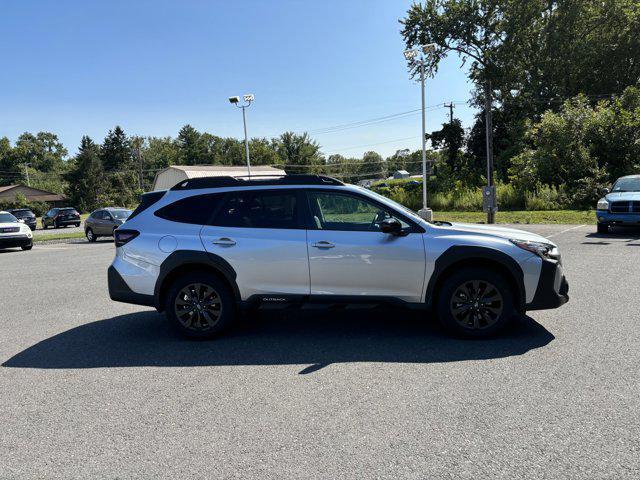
260,209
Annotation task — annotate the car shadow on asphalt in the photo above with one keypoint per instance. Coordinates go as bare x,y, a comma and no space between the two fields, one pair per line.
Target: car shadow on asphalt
316,339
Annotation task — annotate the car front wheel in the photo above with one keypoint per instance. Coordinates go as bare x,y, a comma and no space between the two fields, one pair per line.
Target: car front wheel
475,303
199,305
90,235
603,228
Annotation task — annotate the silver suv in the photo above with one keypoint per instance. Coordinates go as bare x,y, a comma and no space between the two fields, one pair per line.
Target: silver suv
210,247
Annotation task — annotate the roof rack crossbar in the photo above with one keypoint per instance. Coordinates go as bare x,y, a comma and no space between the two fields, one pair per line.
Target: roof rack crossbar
254,180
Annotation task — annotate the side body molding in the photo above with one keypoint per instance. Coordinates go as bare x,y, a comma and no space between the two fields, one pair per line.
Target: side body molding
463,254
182,258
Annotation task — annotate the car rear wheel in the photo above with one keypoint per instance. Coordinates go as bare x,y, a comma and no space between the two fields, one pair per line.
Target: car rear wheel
90,235
603,228
475,303
199,305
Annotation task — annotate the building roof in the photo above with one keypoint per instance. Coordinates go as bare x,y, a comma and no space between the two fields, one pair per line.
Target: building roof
32,194
194,171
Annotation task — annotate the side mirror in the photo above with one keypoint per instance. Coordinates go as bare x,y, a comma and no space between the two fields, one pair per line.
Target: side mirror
605,191
391,226
20,220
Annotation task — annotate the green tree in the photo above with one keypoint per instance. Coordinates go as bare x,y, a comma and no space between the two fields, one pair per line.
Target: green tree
192,150
116,151
43,151
372,166
299,153
451,140
86,182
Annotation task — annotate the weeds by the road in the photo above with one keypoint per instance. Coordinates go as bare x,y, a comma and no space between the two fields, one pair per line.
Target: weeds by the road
577,217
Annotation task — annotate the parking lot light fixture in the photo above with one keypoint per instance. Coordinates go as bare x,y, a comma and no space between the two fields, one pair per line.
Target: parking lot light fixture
248,98
420,55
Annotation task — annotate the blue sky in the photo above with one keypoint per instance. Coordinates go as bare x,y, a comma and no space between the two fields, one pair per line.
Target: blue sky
82,67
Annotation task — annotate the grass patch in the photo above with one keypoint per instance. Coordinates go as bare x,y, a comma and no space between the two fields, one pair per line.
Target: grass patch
565,217
57,236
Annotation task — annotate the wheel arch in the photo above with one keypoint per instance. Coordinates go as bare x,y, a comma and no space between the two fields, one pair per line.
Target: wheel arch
457,257
188,261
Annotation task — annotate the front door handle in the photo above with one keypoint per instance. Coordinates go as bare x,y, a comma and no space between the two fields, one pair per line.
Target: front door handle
323,244
224,241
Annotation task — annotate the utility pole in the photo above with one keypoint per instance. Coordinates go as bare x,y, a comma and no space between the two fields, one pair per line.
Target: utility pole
450,107
139,163
490,190
26,171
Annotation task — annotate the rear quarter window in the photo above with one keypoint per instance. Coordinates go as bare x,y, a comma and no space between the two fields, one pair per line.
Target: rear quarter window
197,210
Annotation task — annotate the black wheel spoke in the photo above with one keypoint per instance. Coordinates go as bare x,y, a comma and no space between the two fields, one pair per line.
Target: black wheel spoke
198,306
476,304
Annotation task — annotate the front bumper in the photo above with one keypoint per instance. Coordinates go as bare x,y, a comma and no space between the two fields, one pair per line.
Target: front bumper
552,290
607,218
12,241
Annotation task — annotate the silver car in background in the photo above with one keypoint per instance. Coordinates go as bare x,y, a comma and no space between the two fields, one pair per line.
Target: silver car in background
103,222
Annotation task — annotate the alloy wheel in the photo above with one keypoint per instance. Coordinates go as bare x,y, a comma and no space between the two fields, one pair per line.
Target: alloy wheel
198,307
476,304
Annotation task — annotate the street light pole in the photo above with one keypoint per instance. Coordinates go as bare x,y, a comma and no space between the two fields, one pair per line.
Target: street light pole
248,98
425,212
246,140
418,55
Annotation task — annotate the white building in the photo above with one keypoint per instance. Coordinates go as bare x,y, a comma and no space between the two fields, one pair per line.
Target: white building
170,176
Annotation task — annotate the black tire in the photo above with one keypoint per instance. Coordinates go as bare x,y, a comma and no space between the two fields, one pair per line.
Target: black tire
488,308
603,228
202,322
44,225
77,225
27,247
90,235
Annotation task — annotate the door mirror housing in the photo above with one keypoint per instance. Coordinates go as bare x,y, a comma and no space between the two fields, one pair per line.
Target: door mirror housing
605,191
391,226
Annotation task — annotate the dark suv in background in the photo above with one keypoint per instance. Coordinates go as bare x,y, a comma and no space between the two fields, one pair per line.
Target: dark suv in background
26,215
61,217
103,222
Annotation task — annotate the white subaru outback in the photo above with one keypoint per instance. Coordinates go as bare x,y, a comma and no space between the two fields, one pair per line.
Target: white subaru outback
209,247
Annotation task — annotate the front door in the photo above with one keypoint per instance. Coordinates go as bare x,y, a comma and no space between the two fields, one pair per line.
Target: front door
350,256
260,234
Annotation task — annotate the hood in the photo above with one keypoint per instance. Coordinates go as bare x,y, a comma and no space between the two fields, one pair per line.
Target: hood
503,232
623,196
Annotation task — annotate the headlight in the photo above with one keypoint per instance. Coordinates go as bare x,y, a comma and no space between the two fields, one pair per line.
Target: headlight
603,204
543,250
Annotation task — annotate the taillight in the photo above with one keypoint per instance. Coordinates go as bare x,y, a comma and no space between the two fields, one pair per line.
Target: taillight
123,237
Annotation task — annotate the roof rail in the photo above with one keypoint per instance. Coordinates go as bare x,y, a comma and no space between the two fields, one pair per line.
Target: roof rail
255,180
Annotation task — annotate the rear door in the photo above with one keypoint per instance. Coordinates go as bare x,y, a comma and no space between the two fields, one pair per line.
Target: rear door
260,234
349,255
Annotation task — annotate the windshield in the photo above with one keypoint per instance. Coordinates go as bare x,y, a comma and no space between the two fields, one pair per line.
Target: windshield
120,214
7,218
23,213
629,184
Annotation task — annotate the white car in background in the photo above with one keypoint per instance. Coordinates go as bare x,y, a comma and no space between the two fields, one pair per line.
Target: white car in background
14,233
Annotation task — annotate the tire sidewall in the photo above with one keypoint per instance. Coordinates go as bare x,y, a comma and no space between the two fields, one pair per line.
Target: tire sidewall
229,310
452,282
93,235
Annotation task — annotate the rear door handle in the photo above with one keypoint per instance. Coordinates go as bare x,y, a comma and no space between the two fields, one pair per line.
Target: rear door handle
323,244
225,241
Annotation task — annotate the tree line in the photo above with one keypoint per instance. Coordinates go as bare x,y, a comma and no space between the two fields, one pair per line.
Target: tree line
562,77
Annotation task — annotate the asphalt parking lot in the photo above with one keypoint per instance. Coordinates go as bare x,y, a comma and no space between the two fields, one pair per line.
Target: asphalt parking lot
90,388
